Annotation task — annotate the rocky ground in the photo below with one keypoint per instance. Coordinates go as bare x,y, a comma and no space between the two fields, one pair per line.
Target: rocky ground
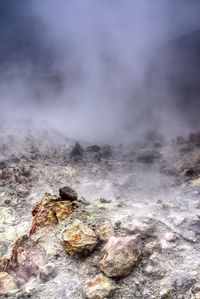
127,225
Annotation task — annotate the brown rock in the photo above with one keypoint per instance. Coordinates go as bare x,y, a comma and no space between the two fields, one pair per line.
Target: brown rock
79,239
50,210
62,209
6,283
67,193
120,255
100,287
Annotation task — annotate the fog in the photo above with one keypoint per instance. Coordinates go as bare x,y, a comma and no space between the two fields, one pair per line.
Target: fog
94,70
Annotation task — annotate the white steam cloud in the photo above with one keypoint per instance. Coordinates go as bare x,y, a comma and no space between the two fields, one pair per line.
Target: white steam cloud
94,80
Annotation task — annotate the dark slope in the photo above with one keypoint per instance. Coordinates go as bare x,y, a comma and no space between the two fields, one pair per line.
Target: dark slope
178,66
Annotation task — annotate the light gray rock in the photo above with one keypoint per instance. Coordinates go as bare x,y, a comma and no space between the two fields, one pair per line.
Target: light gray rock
120,255
104,230
100,287
7,283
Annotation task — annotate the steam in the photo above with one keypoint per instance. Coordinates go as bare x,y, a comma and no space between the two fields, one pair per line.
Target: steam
89,68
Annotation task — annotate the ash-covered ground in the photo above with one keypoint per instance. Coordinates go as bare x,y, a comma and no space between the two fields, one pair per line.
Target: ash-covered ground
148,190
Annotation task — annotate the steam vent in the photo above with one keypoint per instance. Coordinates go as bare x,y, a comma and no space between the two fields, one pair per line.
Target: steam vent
100,149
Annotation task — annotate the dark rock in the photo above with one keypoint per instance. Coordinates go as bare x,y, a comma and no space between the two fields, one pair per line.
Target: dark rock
105,152
2,165
190,173
118,224
67,193
77,150
103,200
7,201
186,149
149,157
180,140
194,225
93,148
194,138
157,145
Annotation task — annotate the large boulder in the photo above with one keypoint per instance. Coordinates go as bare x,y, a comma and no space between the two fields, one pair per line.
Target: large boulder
120,255
79,239
100,287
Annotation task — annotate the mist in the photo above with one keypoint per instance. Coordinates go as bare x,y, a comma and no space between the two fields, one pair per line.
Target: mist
96,70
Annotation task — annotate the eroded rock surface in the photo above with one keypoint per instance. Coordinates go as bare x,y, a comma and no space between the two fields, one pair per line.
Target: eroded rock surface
7,283
120,255
104,230
50,210
79,239
99,287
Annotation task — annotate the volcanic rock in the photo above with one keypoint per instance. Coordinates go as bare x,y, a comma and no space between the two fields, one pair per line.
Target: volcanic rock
78,239
120,255
93,148
6,283
104,200
105,152
145,226
196,291
25,260
2,165
104,230
154,266
100,287
149,157
67,193
50,210
77,150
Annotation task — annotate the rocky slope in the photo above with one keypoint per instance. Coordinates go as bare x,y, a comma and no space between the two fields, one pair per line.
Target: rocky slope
129,228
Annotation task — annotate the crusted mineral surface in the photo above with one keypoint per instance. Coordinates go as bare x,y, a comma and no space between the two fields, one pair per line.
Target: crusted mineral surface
50,210
79,239
99,287
7,283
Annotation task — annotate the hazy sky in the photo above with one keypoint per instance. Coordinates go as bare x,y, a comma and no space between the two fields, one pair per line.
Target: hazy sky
83,66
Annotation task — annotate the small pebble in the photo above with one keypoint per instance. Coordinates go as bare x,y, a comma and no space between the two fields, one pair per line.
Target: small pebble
7,201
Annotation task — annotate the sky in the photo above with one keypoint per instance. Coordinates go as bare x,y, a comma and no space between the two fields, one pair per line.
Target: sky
94,69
